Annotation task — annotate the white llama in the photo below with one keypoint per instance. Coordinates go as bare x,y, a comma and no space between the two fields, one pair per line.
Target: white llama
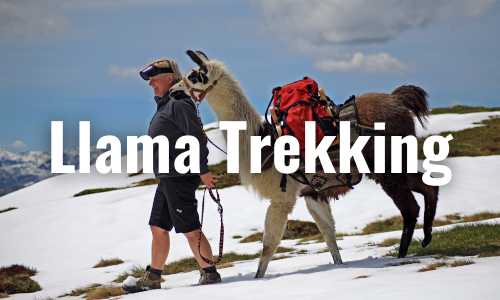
229,103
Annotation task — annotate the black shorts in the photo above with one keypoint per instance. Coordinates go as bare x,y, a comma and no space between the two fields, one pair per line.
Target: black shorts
175,204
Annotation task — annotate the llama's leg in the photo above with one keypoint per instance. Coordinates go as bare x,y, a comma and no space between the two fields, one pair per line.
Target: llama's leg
430,197
276,219
321,212
398,188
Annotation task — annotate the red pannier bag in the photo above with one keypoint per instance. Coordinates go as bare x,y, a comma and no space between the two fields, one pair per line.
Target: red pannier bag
298,102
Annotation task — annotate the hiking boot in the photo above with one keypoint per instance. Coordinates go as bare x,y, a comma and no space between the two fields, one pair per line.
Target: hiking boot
148,281
207,278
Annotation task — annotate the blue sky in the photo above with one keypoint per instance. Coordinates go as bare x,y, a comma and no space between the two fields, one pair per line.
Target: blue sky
78,60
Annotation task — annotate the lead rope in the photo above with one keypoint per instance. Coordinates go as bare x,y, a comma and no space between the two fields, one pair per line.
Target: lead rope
216,200
199,119
221,240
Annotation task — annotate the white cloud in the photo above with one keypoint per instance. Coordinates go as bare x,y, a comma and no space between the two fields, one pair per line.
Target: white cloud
381,63
328,29
30,18
343,22
124,72
18,144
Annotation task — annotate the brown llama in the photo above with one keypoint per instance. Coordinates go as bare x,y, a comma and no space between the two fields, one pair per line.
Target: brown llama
229,103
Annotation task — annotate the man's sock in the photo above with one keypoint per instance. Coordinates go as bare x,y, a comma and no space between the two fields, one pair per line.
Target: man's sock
155,271
211,269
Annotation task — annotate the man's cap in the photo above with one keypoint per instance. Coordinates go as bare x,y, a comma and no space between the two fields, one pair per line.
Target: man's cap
153,71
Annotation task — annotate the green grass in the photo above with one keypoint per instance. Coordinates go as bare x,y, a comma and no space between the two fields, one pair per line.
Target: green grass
149,181
461,262
396,222
324,250
16,279
479,217
389,242
14,270
104,292
389,224
237,236
135,270
284,249
135,174
7,209
300,229
280,257
210,129
254,237
456,263
227,180
319,238
462,109
80,290
296,230
108,262
406,262
478,141
462,240
94,191
432,267
189,264
308,231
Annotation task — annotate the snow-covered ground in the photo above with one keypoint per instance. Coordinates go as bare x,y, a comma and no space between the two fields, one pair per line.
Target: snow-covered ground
63,237
453,122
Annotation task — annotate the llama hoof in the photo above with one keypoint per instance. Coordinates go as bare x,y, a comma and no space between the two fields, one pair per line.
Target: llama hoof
337,262
259,273
427,240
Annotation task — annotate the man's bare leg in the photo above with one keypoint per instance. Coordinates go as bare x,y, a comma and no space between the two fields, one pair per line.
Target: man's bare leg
205,248
160,247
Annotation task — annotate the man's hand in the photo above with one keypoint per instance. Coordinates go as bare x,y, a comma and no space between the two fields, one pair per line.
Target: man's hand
209,179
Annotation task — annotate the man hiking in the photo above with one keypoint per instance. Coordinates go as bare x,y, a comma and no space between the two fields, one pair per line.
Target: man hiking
174,203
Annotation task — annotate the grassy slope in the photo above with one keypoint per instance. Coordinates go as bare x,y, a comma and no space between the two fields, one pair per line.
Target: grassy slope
478,141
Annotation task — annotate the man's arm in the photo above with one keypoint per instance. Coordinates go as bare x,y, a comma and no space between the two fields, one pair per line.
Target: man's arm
184,115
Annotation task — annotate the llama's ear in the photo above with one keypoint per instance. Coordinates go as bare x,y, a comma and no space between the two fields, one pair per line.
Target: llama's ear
202,56
198,60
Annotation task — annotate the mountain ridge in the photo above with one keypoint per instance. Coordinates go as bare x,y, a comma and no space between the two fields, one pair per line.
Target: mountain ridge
21,169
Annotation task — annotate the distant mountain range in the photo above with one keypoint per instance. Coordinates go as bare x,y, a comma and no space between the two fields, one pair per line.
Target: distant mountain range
21,169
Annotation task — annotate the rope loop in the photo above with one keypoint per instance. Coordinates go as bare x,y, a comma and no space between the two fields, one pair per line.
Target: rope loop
221,240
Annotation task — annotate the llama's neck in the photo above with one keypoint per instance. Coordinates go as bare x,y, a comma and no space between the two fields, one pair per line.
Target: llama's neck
229,103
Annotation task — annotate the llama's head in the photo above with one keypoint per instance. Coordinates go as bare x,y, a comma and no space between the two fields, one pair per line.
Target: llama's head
198,79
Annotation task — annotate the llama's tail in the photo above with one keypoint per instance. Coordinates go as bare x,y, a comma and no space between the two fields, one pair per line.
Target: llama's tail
415,99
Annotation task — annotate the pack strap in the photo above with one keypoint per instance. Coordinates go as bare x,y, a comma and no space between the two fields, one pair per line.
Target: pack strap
283,183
